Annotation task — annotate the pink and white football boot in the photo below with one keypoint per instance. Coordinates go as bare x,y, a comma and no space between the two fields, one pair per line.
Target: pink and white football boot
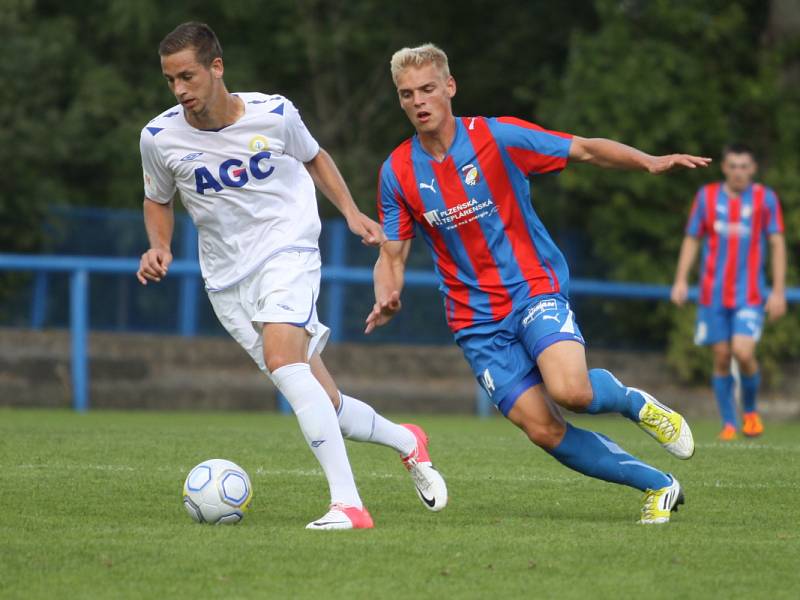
429,483
343,517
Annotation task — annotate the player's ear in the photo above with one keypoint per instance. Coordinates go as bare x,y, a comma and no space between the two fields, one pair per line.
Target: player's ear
451,86
217,68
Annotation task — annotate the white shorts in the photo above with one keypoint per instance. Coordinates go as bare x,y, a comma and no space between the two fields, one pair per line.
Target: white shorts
283,290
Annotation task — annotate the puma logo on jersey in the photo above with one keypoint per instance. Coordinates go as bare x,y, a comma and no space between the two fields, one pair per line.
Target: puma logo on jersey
425,186
232,173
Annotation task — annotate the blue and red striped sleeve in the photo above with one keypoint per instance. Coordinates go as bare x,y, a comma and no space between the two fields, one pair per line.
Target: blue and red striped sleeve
696,226
774,212
395,218
532,149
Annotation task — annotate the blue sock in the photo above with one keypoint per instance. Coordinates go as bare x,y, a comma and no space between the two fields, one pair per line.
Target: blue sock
750,385
723,390
611,396
595,455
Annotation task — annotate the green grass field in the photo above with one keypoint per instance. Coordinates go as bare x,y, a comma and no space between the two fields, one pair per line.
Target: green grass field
91,508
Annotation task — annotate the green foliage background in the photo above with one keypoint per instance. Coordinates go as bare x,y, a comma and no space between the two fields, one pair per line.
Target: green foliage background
81,79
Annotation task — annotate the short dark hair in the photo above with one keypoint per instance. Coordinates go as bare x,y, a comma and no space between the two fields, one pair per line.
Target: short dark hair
737,148
192,35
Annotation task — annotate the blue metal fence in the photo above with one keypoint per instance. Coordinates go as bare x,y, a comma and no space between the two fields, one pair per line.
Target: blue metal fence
336,273
80,268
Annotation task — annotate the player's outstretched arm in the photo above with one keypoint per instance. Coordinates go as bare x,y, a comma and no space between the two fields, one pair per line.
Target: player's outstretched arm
159,221
330,182
614,155
388,281
776,302
688,253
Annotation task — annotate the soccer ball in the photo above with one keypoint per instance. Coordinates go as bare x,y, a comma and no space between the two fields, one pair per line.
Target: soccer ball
217,491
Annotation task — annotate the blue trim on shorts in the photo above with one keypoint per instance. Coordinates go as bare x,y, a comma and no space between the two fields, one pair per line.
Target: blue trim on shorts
531,379
548,340
313,302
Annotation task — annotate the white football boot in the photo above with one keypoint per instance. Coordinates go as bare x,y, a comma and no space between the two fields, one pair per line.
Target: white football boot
429,483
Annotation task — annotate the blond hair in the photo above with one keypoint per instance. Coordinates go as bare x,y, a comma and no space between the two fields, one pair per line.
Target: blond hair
419,57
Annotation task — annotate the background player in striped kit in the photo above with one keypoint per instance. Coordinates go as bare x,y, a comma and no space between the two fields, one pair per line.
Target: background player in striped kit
464,183
736,219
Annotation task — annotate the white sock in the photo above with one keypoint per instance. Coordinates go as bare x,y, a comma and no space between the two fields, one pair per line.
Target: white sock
317,419
361,423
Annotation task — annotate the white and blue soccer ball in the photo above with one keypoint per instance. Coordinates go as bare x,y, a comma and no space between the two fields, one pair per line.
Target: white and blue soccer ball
217,491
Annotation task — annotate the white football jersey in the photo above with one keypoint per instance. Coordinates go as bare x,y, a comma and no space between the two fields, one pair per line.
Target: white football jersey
245,185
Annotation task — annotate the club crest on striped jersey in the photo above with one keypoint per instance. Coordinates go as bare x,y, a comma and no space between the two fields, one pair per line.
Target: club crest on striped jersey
470,173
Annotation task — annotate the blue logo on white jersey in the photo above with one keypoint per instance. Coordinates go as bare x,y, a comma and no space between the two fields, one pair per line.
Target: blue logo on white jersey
191,156
232,173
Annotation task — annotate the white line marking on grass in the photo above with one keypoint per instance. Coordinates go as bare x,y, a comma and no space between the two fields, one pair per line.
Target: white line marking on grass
746,446
76,467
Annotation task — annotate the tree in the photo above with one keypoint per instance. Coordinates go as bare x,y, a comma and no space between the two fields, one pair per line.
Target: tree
668,77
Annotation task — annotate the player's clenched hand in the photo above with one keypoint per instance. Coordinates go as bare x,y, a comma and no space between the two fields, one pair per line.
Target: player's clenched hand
154,265
370,232
775,306
663,164
679,293
383,311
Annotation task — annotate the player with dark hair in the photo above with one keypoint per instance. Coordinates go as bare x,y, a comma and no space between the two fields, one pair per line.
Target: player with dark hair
464,183
736,219
245,166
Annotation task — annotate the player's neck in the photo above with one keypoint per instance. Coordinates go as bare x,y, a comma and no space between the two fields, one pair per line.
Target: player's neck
226,112
732,191
437,143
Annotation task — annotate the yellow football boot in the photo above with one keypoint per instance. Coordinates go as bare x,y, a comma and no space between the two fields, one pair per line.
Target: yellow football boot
659,505
666,426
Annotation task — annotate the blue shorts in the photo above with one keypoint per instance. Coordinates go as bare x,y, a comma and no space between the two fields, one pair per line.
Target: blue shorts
503,354
719,324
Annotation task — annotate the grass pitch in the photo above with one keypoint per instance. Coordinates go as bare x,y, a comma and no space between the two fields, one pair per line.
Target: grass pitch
90,507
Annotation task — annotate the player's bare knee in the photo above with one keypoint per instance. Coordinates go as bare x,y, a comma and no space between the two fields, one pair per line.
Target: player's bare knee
722,361
747,361
545,435
573,395
744,353
276,360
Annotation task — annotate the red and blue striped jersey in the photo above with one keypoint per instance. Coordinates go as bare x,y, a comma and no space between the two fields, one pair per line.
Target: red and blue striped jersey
490,250
735,231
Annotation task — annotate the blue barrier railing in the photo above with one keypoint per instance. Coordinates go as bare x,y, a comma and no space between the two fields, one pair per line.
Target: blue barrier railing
80,268
338,275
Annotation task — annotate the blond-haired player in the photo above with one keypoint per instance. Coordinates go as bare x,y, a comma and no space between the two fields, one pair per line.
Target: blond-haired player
463,181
